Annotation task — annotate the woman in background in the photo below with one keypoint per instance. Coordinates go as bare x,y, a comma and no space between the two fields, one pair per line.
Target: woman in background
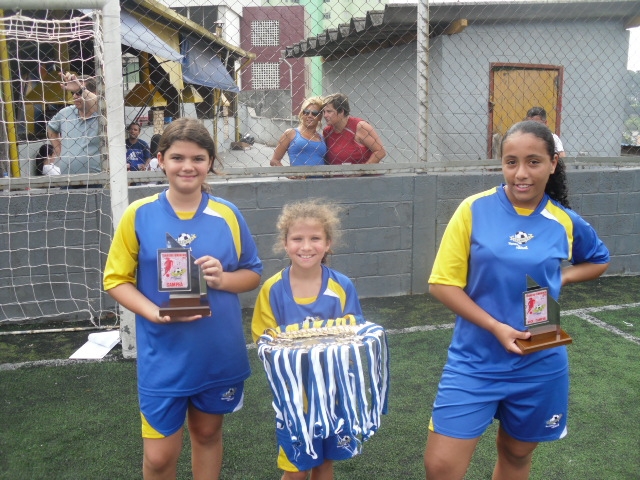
304,144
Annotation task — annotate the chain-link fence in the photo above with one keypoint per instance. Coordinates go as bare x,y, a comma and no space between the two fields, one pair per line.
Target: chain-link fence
437,81
427,84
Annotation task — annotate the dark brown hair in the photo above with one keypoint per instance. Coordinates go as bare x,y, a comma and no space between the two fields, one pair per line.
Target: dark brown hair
556,186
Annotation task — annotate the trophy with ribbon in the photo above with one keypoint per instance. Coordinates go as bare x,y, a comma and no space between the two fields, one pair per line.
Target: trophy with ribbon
542,319
183,279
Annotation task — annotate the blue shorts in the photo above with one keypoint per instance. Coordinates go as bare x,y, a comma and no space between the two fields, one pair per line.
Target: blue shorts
528,411
164,416
292,457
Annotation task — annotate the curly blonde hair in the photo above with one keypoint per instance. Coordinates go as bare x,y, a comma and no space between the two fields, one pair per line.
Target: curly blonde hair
324,212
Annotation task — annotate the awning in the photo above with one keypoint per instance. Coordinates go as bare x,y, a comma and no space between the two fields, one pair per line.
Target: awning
201,66
136,35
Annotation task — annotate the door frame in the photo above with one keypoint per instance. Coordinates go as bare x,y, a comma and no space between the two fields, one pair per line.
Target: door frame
493,66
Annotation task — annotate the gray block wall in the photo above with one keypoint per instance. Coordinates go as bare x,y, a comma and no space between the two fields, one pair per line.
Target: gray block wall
391,228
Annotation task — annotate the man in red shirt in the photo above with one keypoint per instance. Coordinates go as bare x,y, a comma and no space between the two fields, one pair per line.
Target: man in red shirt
349,139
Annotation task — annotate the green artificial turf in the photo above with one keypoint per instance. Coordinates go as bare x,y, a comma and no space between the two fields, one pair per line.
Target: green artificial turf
81,420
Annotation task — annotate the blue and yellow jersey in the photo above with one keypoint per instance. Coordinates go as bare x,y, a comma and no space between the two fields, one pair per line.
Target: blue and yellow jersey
184,358
276,306
488,249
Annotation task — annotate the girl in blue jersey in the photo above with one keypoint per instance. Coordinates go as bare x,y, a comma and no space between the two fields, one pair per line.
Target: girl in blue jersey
191,367
304,144
493,241
306,289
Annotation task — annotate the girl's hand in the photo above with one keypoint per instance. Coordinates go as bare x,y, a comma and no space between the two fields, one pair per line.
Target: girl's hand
507,337
167,319
212,269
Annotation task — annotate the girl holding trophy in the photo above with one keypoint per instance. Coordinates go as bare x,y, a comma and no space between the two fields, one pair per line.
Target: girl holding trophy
494,240
188,365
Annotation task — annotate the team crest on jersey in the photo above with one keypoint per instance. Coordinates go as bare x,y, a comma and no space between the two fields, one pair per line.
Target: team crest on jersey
519,239
554,421
344,442
185,239
229,395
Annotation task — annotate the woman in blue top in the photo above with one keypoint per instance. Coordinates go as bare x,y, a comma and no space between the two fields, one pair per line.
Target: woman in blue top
188,366
304,144
493,241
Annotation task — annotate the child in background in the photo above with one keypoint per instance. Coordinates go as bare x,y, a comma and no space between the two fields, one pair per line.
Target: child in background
45,161
187,366
306,289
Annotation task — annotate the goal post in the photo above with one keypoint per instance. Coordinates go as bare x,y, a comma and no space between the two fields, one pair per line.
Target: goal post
56,231
114,100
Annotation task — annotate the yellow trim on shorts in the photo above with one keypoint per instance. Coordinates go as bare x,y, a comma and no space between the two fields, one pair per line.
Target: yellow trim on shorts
147,430
284,463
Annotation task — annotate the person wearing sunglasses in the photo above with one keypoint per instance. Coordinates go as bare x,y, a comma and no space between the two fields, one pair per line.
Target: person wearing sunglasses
304,144
349,139
73,131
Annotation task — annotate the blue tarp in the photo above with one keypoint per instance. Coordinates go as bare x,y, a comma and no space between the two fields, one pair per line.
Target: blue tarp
136,35
201,66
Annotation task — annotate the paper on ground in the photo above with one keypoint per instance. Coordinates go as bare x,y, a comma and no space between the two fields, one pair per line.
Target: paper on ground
98,345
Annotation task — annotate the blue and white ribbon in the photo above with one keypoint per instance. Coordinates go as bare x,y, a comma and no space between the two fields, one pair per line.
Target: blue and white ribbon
320,387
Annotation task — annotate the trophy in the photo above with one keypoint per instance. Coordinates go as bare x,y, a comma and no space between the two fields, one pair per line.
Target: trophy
183,279
542,319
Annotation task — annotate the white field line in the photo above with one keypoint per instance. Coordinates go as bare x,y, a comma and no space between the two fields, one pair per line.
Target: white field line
582,313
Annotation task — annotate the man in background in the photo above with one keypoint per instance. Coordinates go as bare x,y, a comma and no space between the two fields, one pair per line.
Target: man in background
539,114
74,130
138,153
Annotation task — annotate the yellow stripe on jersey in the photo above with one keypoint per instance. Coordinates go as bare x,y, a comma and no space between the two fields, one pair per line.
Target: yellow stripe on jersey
225,212
121,268
263,317
452,260
559,215
305,300
339,292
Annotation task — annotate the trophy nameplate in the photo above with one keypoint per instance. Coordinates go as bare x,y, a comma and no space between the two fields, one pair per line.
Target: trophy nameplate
183,279
542,319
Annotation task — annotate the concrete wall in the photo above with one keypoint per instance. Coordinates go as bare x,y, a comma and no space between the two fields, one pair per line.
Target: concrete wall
391,228
382,89
382,86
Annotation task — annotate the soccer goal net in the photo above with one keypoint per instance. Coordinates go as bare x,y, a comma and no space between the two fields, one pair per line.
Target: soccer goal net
55,213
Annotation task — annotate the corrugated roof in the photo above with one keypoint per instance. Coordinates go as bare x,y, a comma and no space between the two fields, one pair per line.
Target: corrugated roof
397,23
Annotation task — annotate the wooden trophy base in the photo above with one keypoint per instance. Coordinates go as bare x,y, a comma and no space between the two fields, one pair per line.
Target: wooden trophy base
186,307
542,341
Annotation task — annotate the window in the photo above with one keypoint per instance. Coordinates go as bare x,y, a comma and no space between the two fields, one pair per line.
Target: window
205,16
265,76
130,71
265,33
